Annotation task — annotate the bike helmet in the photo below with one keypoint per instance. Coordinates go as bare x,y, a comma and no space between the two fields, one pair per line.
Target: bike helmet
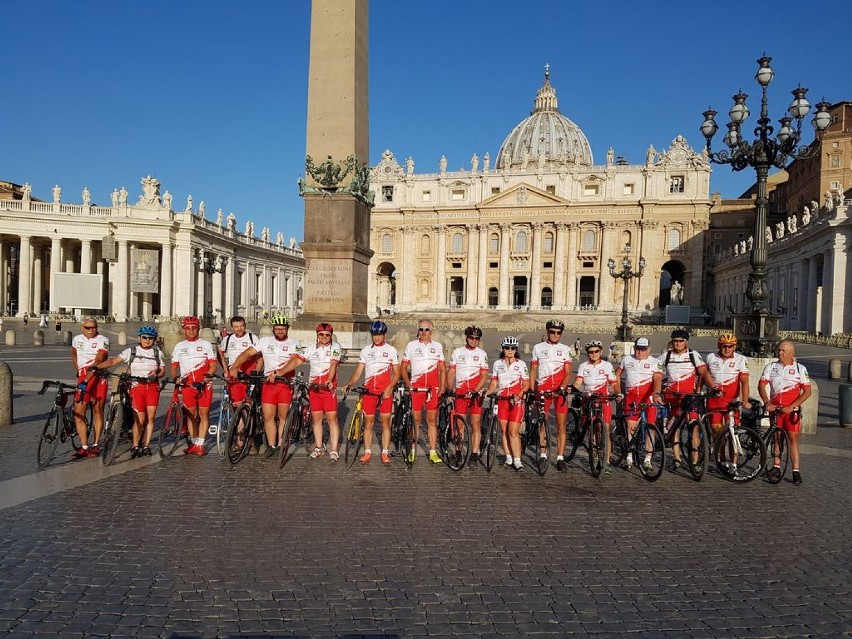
279,320
324,327
148,331
509,341
680,333
594,344
473,331
378,328
190,320
728,339
555,323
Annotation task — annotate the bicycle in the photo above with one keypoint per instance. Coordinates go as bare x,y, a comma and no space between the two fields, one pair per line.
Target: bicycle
489,426
453,433
404,425
738,450
248,420
224,419
120,417
591,423
694,435
297,424
60,425
354,434
646,445
775,438
174,425
537,433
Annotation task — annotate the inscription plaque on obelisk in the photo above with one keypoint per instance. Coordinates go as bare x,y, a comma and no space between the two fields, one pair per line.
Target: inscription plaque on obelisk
335,187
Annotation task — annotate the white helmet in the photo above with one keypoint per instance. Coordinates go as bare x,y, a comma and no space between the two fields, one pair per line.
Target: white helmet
509,341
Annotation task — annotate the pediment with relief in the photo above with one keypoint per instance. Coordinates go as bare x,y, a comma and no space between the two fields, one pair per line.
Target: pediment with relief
523,195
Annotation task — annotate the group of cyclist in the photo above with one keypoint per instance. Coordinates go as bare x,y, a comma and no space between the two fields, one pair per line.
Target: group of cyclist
639,379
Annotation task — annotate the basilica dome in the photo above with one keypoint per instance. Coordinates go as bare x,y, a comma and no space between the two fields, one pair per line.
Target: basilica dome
545,138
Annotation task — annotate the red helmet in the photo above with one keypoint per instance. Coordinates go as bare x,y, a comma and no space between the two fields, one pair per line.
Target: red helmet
325,328
190,320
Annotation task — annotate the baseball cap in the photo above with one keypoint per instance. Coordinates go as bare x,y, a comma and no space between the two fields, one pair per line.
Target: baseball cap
642,342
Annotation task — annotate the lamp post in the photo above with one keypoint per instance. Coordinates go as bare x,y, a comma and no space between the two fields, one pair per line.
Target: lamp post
757,326
625,333
207,263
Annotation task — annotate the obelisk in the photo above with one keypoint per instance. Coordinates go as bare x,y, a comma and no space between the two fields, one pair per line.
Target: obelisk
337,219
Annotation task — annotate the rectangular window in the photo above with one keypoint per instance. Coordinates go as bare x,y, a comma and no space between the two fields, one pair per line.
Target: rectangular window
457,265
835,185
628,189
458,194
740,236
551,188
493,265
548,265
591,189
427,196
387,194
676,184
835,161
795,302
588,264
717,236
495,190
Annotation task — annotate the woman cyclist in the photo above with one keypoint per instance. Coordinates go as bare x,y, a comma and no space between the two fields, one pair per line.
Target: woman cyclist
511,380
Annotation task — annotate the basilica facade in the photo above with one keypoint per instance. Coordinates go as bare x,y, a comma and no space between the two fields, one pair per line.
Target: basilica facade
536,229
140,260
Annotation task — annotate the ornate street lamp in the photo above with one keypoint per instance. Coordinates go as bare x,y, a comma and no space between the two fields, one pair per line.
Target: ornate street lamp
207,263
757,326
625,332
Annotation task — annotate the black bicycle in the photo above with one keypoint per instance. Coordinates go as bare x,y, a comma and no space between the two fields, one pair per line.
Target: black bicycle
248,420
538,432
60,425
688,433
120,417
775,438
591,425
174,427
490,432
646,446
404,430
297,424
453,433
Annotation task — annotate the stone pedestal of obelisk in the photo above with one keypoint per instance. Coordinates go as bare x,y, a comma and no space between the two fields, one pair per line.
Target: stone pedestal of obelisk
337,224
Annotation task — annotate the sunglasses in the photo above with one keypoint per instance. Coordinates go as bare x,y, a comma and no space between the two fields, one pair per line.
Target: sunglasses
89,328
678,340
554,331
423,330
727,346
145,337
474,337
597,350
510,348
324,334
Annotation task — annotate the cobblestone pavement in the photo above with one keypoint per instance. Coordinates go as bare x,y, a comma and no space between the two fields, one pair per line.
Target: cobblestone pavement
193,547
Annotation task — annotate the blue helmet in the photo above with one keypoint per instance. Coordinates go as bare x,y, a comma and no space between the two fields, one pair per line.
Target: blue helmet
148,331
378,328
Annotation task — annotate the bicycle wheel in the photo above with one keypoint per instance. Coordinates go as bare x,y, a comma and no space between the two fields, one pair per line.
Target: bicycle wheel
574,434
397,432
239,439
694,446
49,439
223,427
113,427
489,430
742,456
542,441
443,431
292,426
170,431
619,440
650,451
409,438
71,426
777,454
458,443
354,438
598,437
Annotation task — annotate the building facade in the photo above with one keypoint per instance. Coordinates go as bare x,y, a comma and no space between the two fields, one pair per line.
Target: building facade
154,262
535,229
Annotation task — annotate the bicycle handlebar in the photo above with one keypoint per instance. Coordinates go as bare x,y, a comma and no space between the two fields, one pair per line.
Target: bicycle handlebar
57,384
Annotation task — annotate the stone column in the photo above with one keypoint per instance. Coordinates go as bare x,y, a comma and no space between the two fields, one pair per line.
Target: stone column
217,295
25,276
812,324
534,299
166,280
230,308
4,294
200,292
571,273
85,256
441,268
121,285
482,268
471,281
605,280
55,261
833,290
504,297
406,294
38,271
559,266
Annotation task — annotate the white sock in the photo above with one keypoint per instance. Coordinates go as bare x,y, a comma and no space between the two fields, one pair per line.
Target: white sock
558,457
508,459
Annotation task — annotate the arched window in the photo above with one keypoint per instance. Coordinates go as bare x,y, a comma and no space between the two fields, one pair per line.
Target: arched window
494,244
547,297
387,243
424,287
589,241
674,240
425,244
548,242
625,239
492,297
521,242
457,245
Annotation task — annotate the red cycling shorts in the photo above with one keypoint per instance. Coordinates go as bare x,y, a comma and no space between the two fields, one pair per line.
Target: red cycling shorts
508,411
191,397
323,400
144,396
96,388
369,403
418,400
276,393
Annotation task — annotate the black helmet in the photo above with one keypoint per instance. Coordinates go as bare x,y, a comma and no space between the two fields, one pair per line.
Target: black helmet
679,333
555,323
473,331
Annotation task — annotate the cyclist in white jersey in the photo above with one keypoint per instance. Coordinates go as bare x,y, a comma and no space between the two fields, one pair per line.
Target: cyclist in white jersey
467,375
230,348
89,349
550,370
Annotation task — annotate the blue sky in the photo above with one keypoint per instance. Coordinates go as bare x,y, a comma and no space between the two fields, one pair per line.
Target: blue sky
210,96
